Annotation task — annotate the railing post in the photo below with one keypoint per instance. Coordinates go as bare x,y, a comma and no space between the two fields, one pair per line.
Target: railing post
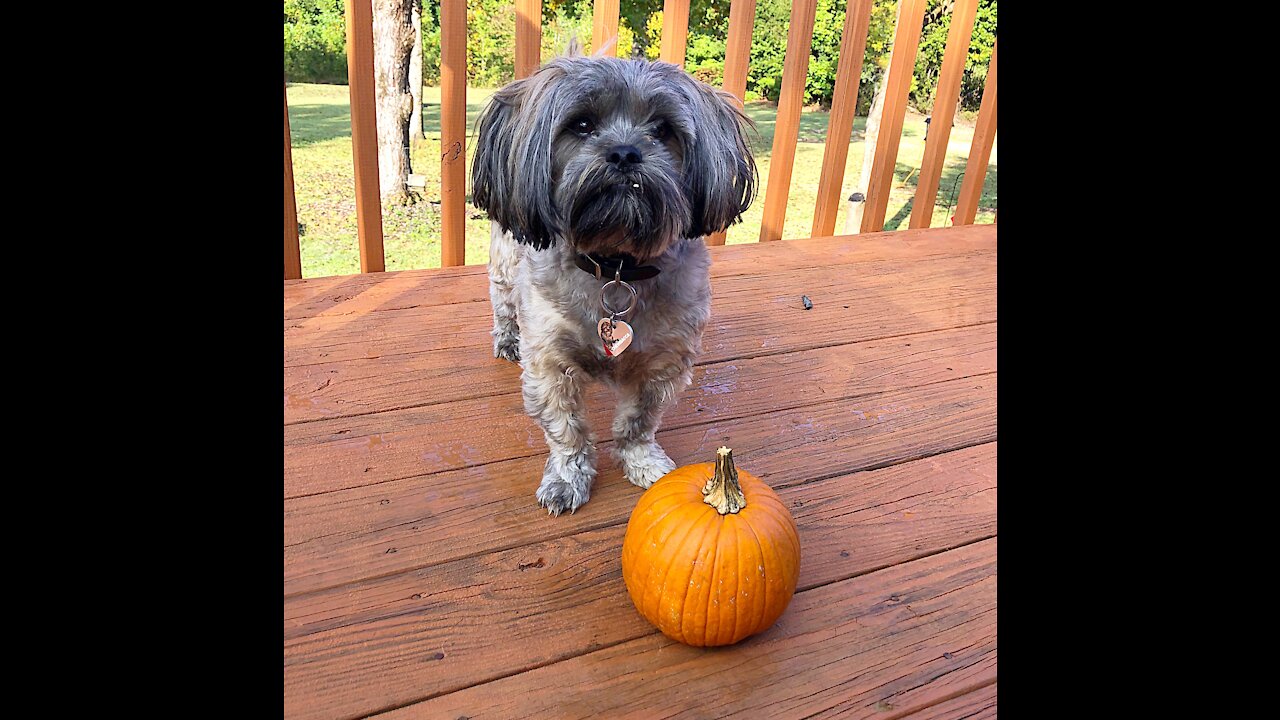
292,253
453,132
528,37
795,67
364,134
737,57
853,45
604,27
944,109
906,40
675,31
984,135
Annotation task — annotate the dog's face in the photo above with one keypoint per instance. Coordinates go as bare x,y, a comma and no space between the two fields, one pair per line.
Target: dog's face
612,156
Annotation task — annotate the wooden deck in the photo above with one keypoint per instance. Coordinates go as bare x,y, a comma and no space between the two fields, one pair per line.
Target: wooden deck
422,579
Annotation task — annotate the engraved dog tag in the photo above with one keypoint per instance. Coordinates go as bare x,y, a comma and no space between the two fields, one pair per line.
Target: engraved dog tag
616,336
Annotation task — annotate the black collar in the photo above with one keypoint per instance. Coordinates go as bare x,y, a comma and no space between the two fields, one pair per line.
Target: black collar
631,268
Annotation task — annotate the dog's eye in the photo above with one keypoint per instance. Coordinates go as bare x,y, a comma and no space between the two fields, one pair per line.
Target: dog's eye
661,131
583,126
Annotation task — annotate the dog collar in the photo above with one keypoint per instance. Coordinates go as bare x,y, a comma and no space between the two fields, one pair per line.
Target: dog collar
606,268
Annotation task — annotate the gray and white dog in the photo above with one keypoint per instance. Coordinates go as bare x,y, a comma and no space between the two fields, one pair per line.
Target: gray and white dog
599,161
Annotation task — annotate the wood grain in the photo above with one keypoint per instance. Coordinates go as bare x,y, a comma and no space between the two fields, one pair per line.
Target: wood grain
897,640
795,68
675,31
360,294
348,533
737,57
292,253
528,37
751,315
906,39
932,304
453,132
977,704
346,389
604,28
511,610
984,136
364,134
944,110
853,44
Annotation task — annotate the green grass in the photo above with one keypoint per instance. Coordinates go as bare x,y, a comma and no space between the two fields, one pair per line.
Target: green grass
320,121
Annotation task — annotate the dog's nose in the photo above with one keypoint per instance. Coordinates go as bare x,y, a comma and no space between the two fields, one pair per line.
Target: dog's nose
624,156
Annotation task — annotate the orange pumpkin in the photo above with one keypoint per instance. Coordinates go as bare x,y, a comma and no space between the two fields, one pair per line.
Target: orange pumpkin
711,554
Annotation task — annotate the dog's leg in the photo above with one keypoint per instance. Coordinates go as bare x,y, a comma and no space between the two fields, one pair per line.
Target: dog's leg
504,256
553,397
640,408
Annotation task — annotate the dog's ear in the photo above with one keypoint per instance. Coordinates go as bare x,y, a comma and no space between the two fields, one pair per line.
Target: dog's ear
511,173
720,172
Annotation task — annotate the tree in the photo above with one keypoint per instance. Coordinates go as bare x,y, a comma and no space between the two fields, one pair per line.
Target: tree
853,225
393,40
415,75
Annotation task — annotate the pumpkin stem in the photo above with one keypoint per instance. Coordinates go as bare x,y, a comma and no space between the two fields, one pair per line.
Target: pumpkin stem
722,491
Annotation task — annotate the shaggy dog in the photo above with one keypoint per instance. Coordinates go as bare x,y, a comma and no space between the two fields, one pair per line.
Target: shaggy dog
601,176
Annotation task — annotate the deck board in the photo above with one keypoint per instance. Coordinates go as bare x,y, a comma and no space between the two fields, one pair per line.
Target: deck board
476,611
440,437
484,507
863,646
750,314
422,579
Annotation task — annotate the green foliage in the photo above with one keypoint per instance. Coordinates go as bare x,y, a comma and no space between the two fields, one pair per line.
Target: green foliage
933,43
491,54
315,36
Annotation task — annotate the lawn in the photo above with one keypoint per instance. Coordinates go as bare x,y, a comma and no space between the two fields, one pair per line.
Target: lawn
320,120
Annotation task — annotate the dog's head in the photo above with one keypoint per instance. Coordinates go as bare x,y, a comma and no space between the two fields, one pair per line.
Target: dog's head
612,156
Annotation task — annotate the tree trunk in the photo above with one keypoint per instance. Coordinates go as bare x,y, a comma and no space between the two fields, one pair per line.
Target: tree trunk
392,45
415,75
853,225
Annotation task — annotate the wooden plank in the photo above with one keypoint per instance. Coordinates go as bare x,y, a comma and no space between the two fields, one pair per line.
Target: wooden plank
394,290
737,57
790,99
977,704
364,134
675,31
453,132
751,315
853,44
292,253
336,537
604,28
906,40
984,136
563,598
336,390
944,110
899,639
528,37
345,295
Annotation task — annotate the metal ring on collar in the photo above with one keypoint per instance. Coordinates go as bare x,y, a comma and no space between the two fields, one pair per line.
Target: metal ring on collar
604,303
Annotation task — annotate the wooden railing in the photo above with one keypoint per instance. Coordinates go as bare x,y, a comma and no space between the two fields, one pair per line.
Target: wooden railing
675,26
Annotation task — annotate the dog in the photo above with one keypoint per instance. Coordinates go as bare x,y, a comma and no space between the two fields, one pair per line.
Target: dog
601,176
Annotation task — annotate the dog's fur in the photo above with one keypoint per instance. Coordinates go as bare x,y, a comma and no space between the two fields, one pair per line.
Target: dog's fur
559,156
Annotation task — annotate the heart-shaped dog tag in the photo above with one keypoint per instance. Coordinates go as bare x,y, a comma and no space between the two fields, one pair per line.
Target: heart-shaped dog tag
616,336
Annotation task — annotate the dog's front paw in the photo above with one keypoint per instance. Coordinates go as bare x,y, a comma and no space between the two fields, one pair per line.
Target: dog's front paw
643,465
507,348
565,486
